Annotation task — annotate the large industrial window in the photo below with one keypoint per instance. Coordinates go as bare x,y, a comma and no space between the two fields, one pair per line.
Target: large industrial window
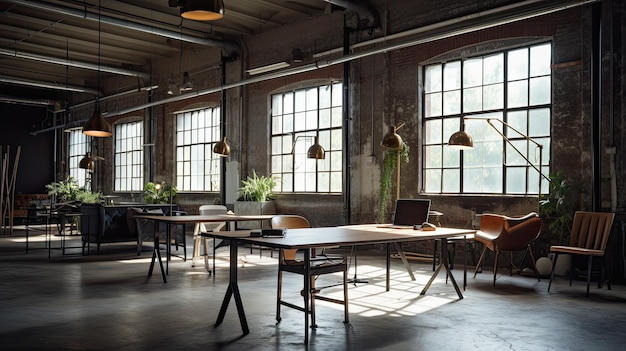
129,156
297,118
512,86
197,167
78,146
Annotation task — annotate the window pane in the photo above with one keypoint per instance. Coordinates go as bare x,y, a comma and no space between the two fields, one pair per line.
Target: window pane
539,91
518,94
517,64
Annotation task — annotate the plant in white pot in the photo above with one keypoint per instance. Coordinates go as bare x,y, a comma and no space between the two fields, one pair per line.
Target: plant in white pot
255,198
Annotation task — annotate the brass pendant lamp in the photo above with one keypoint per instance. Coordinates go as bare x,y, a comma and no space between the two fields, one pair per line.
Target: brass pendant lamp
316,151
222,148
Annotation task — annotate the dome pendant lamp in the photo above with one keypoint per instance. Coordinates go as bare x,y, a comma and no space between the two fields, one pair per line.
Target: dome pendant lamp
200,10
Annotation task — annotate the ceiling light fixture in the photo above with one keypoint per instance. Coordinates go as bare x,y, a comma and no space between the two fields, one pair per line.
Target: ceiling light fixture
268,68
222,148
187,84
200,10
97,126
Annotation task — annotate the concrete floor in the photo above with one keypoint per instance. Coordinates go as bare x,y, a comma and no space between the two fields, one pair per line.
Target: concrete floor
105,302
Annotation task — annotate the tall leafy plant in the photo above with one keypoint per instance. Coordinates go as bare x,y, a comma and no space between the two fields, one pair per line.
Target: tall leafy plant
153,194
557,208
390,164
257,188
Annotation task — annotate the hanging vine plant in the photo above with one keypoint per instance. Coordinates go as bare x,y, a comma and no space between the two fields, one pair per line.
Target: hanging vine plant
390,164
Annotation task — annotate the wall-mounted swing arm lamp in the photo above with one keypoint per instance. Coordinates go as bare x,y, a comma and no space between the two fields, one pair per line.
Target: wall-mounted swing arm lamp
462,140
316,151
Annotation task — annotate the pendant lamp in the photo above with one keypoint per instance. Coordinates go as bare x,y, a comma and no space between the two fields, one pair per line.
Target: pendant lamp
316,151
222,148
97,126
200,10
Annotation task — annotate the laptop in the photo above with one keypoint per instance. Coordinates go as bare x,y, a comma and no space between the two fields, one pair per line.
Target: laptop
409,213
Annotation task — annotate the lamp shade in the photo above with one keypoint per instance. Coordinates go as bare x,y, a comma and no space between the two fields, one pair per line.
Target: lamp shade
87,162
461,140
392,140
202,10
316,151
222,148
97,126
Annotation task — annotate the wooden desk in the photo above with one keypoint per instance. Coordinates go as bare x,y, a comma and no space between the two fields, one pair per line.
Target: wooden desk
169,220
308,238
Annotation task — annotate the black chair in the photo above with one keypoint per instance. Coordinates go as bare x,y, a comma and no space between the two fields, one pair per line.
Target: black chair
288,262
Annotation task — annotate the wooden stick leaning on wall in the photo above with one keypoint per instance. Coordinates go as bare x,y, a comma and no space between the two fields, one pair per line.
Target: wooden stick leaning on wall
7,191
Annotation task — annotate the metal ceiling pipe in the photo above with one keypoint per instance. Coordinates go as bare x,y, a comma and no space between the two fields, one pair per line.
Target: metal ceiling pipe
39,84
229,46
517,16
71,63
22,101
368,16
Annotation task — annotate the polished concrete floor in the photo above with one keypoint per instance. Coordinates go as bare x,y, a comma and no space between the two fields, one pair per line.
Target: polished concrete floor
106,302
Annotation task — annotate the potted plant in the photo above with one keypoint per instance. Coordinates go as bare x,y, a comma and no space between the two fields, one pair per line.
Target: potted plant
68,190
255,197
159,193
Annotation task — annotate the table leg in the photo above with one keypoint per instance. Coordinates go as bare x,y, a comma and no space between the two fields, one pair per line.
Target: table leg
156,254
443,264
307,293
404,260
388,266
233,289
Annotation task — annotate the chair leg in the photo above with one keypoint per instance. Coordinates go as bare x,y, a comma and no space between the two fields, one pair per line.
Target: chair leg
589,266
480,261
532,262
312,299
495,266
279,291
206,255
346,316
556,256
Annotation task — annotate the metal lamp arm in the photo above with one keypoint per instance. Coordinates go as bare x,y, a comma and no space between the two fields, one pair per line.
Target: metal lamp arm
489,121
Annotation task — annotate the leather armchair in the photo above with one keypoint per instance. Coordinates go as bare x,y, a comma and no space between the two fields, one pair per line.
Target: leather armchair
500,233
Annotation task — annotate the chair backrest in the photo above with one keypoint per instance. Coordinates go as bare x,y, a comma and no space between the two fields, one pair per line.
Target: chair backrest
212,210
513,233
289,222
591,230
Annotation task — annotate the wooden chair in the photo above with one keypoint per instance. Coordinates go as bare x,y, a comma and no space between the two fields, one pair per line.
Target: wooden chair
589,235
199,240
509,234
321,264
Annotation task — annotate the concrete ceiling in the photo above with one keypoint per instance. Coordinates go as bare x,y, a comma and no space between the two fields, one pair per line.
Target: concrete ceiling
49,47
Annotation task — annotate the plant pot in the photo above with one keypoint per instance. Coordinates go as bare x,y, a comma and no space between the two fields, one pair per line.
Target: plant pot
254,208
562,265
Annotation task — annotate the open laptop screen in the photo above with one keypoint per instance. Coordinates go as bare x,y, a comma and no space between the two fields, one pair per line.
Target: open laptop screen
411,211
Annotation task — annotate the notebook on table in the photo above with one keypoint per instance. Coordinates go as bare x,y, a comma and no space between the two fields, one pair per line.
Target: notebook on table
409,213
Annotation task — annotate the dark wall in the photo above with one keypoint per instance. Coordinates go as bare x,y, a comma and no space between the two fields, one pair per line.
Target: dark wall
36,162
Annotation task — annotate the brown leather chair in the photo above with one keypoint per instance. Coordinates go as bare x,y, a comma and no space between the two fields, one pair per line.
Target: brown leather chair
509,234
589,235
320,264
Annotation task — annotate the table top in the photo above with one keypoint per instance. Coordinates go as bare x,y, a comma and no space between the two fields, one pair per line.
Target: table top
204,218
303,238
